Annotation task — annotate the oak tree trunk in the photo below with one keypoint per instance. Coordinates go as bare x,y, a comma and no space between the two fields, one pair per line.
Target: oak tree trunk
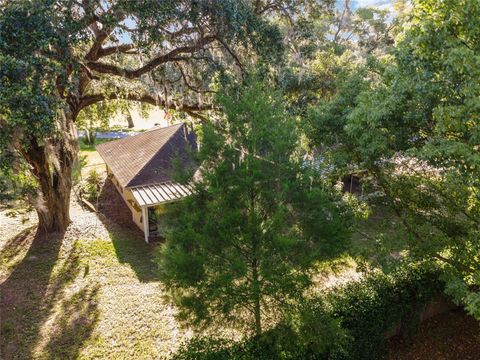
130,121
52,162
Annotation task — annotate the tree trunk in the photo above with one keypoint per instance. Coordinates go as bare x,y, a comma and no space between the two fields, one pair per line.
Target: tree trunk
256,295
255,265
130,120
53,204
52,163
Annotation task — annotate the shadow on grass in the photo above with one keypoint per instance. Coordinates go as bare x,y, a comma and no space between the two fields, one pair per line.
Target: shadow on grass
37,315
75,321
127,239
13,250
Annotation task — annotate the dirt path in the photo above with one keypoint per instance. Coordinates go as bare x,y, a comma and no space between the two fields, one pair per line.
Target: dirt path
13,222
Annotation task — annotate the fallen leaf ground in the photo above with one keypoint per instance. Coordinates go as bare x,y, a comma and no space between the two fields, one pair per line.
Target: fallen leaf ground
449,336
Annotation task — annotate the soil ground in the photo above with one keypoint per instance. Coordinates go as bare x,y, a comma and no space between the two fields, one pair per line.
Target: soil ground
450,336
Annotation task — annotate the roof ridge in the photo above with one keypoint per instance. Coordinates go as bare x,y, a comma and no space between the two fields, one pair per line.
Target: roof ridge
155,128
139,134
155,153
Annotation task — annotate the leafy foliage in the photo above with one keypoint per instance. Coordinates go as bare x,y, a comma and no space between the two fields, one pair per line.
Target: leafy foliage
70,63
16,185
369,309
348,323
323,43
91,187
27,72
411,122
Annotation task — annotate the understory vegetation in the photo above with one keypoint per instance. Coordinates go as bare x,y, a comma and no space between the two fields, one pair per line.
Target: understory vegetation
350,322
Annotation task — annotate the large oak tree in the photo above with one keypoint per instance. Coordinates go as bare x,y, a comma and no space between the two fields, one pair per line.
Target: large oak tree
58,57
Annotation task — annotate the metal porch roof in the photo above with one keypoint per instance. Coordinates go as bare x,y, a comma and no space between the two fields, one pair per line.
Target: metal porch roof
156,194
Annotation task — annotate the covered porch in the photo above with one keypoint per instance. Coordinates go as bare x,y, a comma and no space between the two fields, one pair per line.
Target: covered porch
148,197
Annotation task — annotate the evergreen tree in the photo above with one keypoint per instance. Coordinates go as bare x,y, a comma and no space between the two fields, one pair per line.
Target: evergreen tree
242,247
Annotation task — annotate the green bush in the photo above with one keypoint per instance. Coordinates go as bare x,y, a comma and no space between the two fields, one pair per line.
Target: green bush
309,333
91,187
19,185
282,343
370,308
348,324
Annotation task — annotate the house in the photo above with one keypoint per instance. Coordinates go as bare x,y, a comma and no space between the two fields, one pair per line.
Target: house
142,168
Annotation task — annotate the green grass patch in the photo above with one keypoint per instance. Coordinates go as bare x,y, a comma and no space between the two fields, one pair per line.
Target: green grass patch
86,147
84,299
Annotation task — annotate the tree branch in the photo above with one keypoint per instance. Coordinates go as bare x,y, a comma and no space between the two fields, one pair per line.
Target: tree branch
190,109
196,115
191,87
174,55
101,34
233,55
124,48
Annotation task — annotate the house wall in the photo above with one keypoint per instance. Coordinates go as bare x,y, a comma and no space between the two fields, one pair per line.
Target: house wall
129,200
136,213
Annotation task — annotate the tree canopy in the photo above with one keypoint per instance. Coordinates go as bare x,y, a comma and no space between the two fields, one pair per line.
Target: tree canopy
411,121
60,56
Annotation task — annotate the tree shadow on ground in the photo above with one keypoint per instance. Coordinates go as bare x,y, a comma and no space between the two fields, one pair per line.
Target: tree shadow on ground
13,251
127,239
35,299
75,321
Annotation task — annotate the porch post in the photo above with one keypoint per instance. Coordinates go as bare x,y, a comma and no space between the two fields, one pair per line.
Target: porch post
146,228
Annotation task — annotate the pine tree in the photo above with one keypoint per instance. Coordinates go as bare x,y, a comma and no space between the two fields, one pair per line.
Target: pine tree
241,249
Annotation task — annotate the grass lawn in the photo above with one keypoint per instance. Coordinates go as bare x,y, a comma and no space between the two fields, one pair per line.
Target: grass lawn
92,157
83,297
95,293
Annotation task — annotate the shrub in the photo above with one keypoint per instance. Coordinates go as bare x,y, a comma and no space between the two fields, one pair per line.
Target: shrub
17,185
370,308
282,343
309,333
92,185
90,137
350,323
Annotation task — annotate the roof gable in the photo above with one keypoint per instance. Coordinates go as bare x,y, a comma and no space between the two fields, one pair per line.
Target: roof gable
147,158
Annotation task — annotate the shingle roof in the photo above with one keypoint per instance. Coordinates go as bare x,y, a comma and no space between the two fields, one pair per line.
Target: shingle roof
148,158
